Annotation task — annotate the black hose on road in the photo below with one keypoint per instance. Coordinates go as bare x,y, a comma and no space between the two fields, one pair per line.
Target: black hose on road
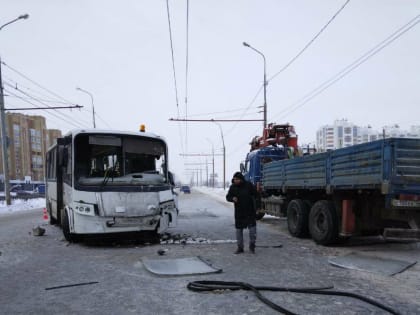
202,286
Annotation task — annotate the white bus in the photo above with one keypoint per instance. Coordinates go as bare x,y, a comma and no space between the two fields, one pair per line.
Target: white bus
101,182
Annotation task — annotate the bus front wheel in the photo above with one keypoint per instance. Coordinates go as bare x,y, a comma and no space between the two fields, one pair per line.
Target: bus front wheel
65,225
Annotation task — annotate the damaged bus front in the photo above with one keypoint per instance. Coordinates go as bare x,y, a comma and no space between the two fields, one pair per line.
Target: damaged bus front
101,182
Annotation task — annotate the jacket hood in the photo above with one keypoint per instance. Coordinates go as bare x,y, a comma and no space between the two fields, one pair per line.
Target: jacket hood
239,175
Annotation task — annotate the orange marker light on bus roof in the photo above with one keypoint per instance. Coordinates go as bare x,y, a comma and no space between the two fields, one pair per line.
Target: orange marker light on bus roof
142,128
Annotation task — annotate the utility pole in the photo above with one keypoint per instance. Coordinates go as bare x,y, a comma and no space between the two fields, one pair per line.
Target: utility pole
4,145
200,164
212,150
265,81
93,107
203,154
224,155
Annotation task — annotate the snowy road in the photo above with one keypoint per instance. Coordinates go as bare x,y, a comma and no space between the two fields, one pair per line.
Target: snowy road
121,285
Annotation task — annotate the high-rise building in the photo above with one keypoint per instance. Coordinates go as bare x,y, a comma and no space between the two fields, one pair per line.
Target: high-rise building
344,134
28,140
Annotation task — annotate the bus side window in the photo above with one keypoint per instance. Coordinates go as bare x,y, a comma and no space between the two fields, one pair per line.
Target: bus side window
67,167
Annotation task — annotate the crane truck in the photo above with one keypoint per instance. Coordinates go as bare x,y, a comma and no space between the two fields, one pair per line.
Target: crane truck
367,189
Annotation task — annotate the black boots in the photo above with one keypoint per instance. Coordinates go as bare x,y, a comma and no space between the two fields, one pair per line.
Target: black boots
252,248
239,250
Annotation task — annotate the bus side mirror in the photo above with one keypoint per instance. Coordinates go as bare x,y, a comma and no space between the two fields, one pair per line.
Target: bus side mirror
242,168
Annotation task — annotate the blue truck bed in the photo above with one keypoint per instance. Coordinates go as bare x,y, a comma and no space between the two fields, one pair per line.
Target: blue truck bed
391,165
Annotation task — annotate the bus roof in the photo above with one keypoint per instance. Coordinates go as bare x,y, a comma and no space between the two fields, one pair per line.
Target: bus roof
75,132
114,132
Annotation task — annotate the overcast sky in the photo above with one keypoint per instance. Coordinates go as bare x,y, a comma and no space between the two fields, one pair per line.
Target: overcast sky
120,52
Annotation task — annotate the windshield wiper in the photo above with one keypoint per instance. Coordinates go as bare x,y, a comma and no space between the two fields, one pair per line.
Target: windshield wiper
109,173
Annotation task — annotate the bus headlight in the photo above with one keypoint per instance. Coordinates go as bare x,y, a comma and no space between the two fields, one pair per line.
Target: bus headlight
84,208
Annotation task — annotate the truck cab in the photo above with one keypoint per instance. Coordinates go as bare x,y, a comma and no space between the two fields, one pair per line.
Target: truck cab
252,168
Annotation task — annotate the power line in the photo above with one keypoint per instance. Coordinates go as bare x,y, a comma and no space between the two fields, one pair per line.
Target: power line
309,96
214,120
249,105
186,75
297,56
38,99
172,52
222,112
49,107
28,95
366,56
43,88
309,43
35,83
97,115
174,73
56,116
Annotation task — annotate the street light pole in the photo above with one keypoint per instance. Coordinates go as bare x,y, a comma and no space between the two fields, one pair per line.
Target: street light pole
93,107
4,145
265,81
224,155
23,16
212,150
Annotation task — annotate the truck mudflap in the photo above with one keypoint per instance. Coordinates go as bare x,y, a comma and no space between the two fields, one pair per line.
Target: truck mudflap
402,234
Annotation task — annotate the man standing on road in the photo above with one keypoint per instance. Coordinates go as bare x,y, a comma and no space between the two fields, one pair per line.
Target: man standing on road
245,197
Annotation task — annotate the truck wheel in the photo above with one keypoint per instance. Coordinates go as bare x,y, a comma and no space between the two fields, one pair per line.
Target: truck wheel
323,222
297,218
65,225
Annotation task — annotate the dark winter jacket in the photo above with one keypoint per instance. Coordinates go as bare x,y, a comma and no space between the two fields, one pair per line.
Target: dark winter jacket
245,208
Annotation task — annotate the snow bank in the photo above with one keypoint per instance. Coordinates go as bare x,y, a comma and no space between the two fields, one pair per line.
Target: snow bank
21,205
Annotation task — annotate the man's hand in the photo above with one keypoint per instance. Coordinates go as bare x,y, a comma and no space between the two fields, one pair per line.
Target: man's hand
235,199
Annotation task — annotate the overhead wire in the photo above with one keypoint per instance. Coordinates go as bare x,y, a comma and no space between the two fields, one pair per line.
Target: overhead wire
41,87
221,112
41,102
288,64
42,98
101,119
243,113
309,43
309,96
172,54
174,72
186,74
34,82
64,117
354,65
49,112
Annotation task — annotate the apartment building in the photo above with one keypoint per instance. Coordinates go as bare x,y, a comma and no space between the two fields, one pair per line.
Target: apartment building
28,140
343,133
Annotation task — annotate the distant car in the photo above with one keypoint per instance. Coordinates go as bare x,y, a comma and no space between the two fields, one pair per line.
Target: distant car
186,189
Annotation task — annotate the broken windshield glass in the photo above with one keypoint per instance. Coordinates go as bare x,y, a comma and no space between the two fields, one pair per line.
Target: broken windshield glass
112,160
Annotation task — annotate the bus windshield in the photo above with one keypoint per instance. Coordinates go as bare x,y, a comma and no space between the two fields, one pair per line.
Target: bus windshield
119,160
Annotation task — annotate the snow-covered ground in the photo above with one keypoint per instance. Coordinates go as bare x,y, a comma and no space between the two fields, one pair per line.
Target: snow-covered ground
21,205
216,193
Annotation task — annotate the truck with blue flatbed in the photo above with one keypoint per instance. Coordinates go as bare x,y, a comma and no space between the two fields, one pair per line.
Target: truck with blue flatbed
371,188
